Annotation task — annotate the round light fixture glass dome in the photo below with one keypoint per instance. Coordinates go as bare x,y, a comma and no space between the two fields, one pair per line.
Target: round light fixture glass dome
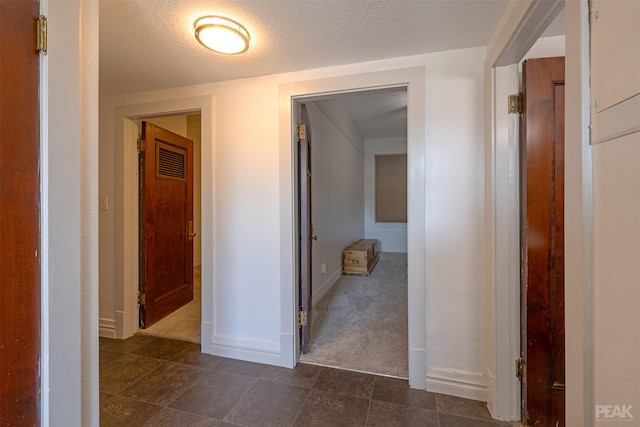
222,35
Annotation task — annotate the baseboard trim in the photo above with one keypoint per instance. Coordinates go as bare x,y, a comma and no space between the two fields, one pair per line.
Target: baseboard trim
492,403
321,290
456,382
106,327
250,350
206,334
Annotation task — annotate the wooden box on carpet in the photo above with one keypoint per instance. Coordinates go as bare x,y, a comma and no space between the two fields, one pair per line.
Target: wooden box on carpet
360,257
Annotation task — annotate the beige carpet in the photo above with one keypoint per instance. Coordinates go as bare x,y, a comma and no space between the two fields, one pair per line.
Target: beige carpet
361,323
184,323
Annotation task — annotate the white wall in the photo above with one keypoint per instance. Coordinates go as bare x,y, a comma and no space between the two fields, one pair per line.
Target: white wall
175,124
337,170
545,48
250,215
456,330
392,236
616,200
616,189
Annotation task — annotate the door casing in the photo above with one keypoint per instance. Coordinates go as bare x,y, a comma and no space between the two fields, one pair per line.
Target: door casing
414,79
526,22
126,262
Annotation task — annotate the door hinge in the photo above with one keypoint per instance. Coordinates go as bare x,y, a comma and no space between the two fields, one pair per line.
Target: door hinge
521,370
141,144
41,29
142,299
516,103
190,232
302,318
302,131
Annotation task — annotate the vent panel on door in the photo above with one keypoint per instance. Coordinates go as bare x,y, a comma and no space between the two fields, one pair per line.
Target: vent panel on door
170,162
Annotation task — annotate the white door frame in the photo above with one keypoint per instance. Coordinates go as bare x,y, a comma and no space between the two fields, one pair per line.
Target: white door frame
523,23
126,322
526,22
414,79
296,102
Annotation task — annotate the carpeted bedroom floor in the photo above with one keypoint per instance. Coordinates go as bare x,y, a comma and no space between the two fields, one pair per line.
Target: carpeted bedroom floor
361,323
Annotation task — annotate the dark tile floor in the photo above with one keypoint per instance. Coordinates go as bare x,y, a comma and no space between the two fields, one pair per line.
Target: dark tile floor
149,381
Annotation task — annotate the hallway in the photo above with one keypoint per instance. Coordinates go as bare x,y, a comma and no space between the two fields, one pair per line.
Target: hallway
149,381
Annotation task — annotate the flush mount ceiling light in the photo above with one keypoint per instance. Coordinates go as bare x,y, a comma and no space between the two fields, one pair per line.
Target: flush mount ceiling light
222,35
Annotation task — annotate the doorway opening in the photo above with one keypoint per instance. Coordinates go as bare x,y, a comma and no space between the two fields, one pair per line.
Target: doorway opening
184,322
503,205
122,266
355,322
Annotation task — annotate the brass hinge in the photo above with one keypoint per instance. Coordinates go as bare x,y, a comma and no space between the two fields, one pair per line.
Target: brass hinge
141,144
302,318
142,299
190,232
41,29
521,370
516,103
302,131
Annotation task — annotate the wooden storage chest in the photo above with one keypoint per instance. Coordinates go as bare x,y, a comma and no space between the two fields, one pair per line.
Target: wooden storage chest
360,257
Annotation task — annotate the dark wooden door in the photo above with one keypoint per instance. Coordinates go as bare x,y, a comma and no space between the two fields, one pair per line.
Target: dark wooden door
543,241
19,215
166,223
304,219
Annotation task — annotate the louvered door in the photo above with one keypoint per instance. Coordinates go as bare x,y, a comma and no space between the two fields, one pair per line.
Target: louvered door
166,223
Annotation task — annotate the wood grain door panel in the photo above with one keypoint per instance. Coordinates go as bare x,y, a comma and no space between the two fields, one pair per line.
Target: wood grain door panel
304,221
543,241
166,212
19,215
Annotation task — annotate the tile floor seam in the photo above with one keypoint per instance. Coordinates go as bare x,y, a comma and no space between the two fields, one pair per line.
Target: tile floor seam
454,410
239,400
120,393
293,423
366,421
185,390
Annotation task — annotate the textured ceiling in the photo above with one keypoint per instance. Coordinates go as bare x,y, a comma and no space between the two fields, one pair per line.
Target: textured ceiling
149,44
